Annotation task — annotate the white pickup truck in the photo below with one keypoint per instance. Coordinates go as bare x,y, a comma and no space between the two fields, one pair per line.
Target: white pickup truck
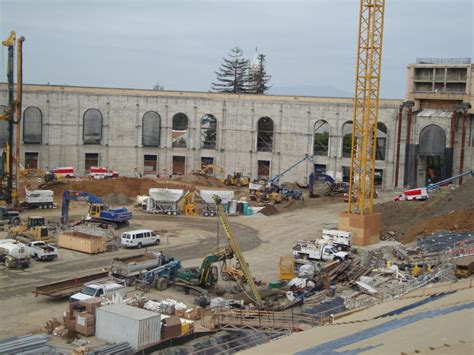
317,250
41,251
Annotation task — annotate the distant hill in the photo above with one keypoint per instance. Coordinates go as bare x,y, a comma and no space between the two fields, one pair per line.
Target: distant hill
309,90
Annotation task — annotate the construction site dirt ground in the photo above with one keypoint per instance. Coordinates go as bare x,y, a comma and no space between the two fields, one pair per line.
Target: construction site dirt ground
262,238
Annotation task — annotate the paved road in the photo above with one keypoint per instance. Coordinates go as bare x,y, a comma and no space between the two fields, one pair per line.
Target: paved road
19,282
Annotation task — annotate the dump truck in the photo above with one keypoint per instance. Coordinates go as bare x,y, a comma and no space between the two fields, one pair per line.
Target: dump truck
14,254
130,268
67,287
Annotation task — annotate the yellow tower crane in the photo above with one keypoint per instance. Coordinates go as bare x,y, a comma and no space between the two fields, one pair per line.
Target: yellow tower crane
366,106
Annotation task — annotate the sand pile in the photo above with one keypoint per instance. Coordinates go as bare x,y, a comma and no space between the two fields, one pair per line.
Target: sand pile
114,199
131,187
405,220
199,180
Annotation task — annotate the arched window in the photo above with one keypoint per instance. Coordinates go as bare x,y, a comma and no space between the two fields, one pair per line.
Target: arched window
180,131
381,146
208,131
32,125
347,139
321,138
3,129
92,130
265,134
151,123
432,141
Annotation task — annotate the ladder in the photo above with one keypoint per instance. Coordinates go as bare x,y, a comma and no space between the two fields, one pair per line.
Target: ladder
237,252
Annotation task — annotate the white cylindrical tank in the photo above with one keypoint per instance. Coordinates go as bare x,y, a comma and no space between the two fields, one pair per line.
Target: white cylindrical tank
166,195
14,248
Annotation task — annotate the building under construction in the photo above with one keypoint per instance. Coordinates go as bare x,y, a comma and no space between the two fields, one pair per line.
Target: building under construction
426,137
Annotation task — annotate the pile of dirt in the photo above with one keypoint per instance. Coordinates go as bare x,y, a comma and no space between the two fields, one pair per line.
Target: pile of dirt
114,199
269,210
461,220
405,220
200,180
131,187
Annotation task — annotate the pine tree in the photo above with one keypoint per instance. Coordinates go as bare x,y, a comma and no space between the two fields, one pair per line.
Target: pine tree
258,77
231,76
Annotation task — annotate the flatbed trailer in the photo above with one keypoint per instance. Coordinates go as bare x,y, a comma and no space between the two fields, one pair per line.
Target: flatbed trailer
68,287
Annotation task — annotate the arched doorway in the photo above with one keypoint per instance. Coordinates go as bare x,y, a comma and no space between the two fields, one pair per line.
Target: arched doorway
432,154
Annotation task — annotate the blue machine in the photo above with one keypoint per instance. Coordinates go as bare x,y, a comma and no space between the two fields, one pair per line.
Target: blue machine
162,275
98,210
436,185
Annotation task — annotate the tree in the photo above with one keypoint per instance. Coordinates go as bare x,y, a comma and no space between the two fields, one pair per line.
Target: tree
232,75
258,77
158,86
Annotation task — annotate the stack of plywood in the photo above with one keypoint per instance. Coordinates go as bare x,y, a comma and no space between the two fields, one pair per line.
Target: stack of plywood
86,243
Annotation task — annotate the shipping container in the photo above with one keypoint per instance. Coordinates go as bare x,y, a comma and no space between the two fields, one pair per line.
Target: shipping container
85,243
119,322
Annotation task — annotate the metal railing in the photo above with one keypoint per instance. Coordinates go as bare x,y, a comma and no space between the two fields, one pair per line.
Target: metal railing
443,60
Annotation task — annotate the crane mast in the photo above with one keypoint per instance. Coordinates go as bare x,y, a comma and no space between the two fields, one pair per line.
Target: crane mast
366,105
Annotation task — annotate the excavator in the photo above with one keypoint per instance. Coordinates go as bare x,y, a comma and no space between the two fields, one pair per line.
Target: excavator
206,275
209,169
99,212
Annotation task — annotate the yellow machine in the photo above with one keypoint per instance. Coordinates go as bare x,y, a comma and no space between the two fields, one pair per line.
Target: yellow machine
287,268
238,179
190,207
209,169
229,272
34,229
95,209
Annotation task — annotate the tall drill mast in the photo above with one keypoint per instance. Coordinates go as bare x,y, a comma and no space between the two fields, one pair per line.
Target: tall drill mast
366,106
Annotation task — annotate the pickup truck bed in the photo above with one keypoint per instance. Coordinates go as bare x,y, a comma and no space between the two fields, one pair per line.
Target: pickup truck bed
68,287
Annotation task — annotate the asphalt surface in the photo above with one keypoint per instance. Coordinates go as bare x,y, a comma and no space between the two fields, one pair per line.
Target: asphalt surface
70,263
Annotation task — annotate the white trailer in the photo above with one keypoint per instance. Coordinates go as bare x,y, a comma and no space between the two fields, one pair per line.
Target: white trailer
210,209
163,201
14,254
39,199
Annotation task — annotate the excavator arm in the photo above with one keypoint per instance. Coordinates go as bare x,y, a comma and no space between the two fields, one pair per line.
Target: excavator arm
70,195
206,264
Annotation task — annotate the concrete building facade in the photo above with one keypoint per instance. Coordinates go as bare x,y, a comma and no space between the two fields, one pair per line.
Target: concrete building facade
166,133
60,115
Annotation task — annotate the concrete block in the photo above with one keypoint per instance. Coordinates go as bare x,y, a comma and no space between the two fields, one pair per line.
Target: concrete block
365,229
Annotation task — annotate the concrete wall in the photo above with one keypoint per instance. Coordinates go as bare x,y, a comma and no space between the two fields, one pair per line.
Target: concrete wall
237,116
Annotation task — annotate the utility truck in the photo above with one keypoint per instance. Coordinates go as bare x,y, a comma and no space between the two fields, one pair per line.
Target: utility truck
39,199
342,240
14,254
317,250
40,250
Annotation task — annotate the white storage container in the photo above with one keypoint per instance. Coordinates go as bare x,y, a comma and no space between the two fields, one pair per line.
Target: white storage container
119,322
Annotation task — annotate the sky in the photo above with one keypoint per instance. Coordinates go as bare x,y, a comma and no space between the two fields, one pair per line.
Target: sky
180,44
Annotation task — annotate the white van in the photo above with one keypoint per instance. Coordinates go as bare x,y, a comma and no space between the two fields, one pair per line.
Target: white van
98,289
139,238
